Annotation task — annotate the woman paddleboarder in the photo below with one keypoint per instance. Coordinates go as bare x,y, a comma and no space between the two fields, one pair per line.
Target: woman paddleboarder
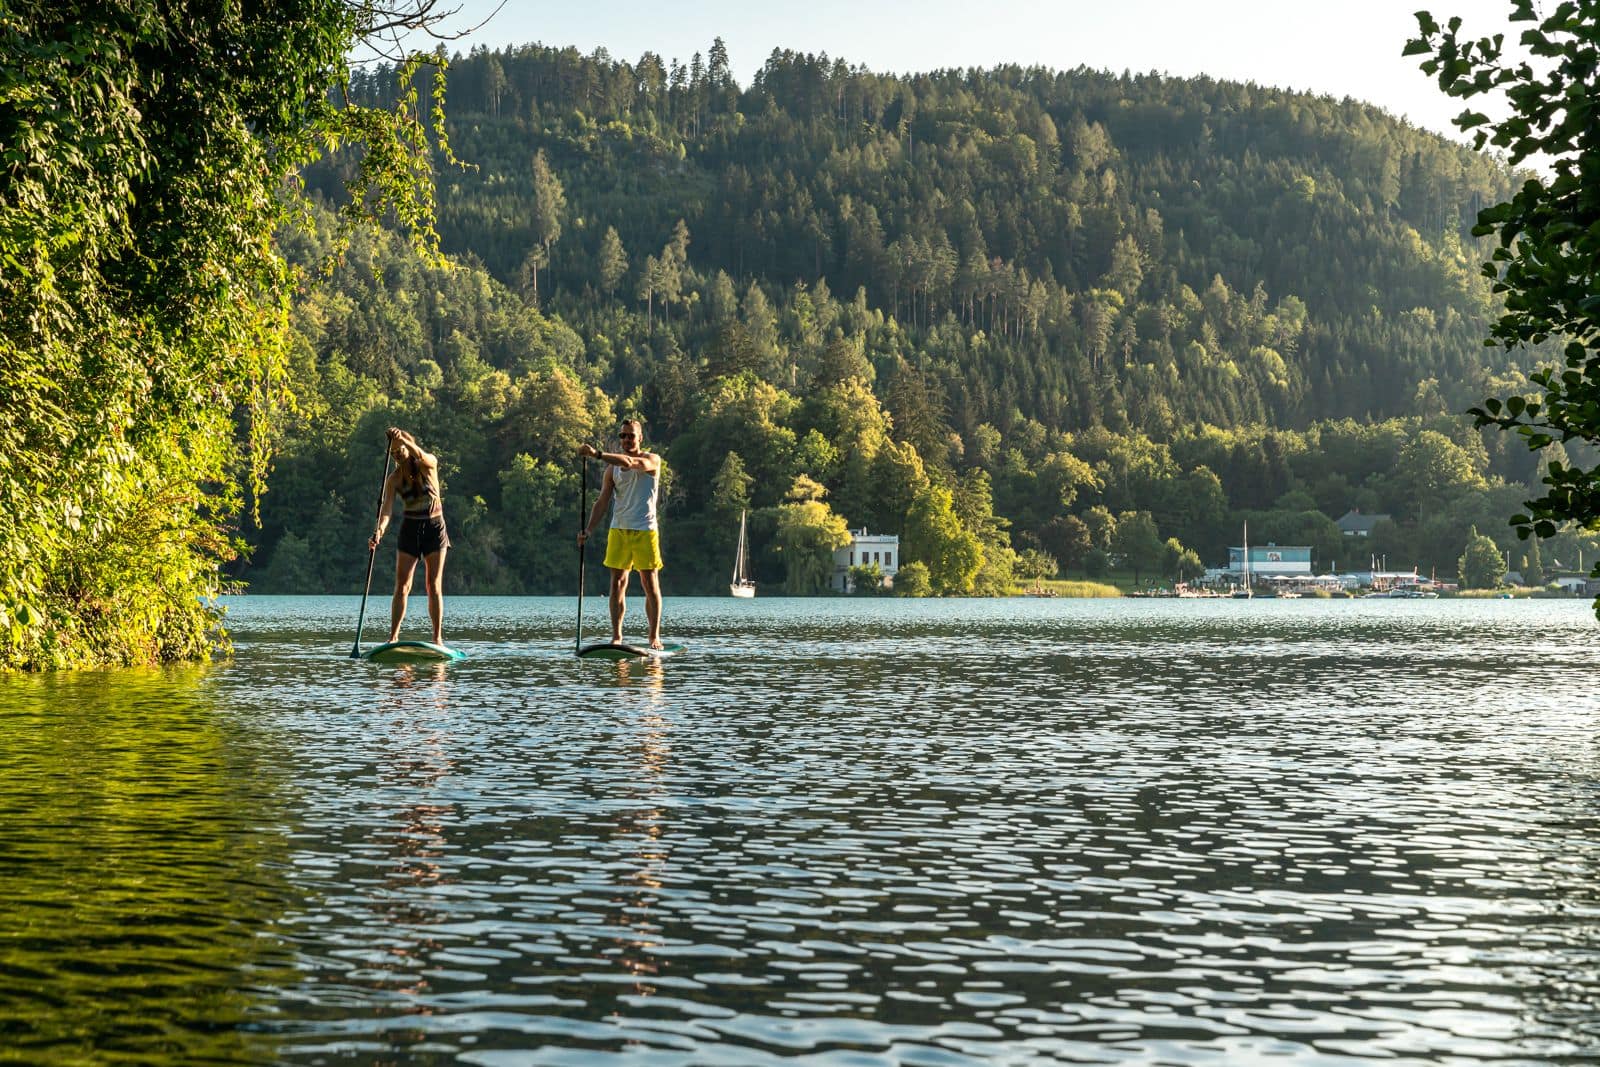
415,482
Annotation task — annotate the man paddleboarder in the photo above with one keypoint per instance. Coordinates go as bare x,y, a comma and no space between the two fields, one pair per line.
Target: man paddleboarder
629,487
415,482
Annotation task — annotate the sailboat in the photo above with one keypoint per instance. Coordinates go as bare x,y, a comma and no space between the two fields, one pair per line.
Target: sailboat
1244,593
741,585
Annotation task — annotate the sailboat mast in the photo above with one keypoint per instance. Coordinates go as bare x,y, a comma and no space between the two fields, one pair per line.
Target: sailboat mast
1247,555
738,559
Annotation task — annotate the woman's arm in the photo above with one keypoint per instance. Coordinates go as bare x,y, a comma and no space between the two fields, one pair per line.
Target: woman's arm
391,490
428,459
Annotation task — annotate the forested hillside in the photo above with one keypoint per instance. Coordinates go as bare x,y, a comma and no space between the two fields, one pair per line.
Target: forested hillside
997,312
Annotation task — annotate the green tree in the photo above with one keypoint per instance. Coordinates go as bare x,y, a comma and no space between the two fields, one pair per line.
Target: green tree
808,534
1062,475
1433,469
551,416
536,519
1533,564
1067,539
1137,542
918,408
1481,566
1179,563
612,261
549,212
292,569
670,268
1102,526
1034,564
730,488
1548,255
760,324
897,478
935,536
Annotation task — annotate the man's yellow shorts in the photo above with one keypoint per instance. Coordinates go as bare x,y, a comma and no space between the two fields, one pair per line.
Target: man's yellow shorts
633,550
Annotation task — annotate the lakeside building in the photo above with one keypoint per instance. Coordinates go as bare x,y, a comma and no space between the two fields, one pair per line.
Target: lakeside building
865,549
1578,585
1272,567
1270,559
1354,524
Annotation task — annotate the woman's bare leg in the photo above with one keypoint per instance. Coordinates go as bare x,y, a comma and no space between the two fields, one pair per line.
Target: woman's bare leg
434,579
405,565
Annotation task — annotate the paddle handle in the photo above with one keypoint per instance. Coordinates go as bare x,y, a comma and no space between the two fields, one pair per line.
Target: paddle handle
372,556
583,519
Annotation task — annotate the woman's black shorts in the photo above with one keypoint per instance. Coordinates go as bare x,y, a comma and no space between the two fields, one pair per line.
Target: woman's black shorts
423,535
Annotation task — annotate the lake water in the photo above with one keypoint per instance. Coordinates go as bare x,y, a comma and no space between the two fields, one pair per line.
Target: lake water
833,832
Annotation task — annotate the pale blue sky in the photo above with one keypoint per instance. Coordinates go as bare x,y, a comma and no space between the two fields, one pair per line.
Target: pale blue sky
1340,47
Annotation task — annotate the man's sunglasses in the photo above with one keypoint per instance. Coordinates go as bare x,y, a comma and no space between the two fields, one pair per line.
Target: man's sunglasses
627,436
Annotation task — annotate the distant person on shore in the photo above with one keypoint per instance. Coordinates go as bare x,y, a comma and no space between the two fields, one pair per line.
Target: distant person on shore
631,480
415,482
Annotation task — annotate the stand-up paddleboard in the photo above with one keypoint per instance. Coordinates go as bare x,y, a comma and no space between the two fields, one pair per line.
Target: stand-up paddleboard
627,651
413,652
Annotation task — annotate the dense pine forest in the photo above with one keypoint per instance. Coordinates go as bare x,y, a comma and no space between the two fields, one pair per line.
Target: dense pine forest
1023,318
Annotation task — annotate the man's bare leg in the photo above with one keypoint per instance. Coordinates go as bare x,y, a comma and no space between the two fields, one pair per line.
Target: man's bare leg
651,580
405,565
619,604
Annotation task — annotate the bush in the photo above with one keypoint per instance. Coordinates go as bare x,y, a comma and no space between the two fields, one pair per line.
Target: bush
913,580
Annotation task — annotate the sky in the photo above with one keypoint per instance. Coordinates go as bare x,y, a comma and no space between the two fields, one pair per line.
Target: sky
1337,47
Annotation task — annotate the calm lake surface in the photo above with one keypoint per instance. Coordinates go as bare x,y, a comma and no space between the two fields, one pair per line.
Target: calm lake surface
833,832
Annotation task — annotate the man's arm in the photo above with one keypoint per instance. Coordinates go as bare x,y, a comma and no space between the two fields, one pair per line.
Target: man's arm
644,461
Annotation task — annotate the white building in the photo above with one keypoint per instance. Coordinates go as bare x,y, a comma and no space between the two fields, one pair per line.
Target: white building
1271,558
866,549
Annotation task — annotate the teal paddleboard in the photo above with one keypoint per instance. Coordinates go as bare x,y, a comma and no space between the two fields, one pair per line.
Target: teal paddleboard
413,652
627,651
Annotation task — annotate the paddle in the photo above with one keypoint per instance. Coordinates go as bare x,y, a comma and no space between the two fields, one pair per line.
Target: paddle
583,519
372,555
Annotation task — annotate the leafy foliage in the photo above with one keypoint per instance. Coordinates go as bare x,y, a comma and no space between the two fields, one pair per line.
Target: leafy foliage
145,154
1481,565
1547,258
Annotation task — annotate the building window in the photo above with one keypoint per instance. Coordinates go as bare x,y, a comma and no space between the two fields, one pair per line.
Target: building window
888,559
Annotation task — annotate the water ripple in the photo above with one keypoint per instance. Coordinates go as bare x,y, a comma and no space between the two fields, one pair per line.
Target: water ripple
836,832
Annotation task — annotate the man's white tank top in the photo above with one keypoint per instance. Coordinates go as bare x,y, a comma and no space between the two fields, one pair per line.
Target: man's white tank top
633,502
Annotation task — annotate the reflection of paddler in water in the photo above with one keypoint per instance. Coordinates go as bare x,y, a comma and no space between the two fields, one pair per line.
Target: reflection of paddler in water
415,482
417,760
640,835
631,481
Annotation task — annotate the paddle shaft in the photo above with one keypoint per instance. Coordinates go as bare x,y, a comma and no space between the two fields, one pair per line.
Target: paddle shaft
583,522
372,556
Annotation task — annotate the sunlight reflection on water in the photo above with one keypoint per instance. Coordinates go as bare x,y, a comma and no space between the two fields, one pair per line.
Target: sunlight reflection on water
849,832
